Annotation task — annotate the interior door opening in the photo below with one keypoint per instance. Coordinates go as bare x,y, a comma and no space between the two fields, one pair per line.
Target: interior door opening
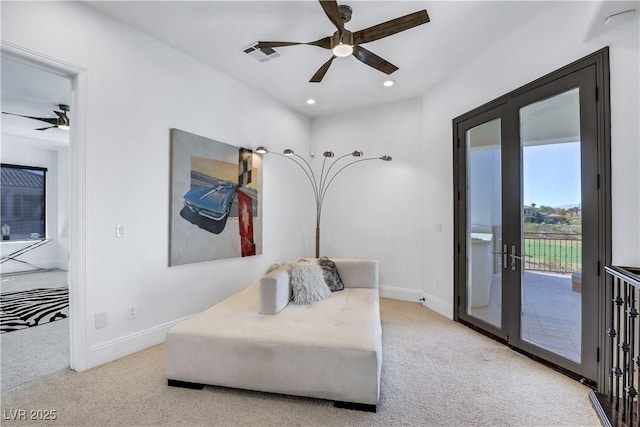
36,248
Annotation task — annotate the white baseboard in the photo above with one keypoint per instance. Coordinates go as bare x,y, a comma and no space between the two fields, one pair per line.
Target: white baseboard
403,294
120,347
438,305
109,351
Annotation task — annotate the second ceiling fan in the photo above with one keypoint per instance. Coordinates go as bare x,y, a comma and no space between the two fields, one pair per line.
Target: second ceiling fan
60,122
344,43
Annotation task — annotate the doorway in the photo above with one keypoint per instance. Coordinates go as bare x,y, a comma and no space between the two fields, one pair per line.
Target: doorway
35,215
533,216
77,193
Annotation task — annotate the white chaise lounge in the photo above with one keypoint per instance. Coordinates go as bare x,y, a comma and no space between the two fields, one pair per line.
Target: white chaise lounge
330,349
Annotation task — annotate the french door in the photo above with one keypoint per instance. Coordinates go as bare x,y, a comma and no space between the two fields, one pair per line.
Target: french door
531,219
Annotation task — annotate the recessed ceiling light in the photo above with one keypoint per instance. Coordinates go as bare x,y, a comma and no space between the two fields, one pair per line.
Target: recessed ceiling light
388,83
311,101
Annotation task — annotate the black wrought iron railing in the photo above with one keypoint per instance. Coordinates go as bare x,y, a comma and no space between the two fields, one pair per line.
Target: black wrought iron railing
553,252
619,406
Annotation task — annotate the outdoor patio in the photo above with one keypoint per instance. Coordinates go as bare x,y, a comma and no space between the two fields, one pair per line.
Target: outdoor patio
551,312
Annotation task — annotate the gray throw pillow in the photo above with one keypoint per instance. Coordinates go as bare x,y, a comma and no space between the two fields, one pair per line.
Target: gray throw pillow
330,273
307,282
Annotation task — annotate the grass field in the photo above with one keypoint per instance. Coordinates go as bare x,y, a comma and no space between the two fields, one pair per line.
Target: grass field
553,255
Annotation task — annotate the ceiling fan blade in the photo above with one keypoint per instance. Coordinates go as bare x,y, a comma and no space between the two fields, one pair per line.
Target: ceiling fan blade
48,127
266,45
324,43
42,119
333,13
389,28
319,75
373,60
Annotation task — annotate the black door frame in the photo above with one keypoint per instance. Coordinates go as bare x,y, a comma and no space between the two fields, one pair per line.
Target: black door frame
599,61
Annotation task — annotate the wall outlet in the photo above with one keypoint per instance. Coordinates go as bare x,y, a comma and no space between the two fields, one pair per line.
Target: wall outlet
438,226
132,311
101,319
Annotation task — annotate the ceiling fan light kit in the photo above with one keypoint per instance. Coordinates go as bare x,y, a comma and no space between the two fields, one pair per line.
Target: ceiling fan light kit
344,43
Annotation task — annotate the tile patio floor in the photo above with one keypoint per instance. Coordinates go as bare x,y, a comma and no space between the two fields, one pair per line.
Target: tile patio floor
551,312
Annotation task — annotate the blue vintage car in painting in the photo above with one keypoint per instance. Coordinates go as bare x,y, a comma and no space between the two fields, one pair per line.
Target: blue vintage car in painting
211,202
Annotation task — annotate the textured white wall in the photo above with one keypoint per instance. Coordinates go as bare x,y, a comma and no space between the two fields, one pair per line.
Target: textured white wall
375,209
148,88
553,38
388,211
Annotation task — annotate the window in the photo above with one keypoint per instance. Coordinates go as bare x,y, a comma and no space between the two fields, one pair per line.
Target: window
23,202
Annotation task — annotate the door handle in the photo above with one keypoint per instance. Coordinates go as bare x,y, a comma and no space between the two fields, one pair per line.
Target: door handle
514,257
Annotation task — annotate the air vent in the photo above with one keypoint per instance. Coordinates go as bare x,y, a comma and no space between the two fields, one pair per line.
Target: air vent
262,55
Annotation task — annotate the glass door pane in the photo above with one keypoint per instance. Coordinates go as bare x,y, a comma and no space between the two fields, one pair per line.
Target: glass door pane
484,223
551,300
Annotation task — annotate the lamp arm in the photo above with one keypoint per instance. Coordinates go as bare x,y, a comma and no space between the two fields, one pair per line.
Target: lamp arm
322,171
324,190
323,179
312,178
314,186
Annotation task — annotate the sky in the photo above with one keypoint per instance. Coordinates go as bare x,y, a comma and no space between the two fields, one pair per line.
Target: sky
552,174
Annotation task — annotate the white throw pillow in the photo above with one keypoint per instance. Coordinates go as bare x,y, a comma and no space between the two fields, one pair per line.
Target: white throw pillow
307,282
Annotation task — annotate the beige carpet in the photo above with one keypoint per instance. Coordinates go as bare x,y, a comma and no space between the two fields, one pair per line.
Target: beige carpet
32,352
435,373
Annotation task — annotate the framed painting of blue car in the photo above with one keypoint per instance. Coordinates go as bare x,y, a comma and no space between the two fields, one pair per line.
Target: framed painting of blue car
216,200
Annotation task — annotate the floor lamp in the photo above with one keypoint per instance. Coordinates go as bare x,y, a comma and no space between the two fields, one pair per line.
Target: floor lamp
328,173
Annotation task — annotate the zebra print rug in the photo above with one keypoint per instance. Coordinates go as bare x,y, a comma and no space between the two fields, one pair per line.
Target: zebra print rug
25,309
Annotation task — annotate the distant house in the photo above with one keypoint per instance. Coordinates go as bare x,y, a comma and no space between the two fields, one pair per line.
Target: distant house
553,219
530,212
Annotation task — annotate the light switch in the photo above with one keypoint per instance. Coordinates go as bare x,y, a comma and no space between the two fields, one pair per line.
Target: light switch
119,230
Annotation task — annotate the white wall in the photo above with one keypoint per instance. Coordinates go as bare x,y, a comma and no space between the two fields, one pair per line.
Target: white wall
374,209
389,211
147,88
554,38
23,151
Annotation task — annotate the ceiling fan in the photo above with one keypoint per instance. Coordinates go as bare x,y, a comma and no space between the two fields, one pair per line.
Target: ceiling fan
344,43
60,122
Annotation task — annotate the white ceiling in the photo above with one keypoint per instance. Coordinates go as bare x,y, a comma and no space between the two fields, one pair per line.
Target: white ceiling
32,91
215,33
